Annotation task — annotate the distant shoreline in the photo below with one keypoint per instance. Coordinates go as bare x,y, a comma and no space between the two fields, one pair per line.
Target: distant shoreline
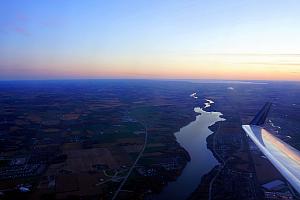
205,81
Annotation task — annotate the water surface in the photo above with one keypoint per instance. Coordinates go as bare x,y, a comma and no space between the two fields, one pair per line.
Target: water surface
193,139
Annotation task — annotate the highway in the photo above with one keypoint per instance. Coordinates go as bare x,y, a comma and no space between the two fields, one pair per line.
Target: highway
133,166
222,165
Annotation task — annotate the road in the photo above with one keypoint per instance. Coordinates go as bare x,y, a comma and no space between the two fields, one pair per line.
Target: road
133,166
222,165
243,147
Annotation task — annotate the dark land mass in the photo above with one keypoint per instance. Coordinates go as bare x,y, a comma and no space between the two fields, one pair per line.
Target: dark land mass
79,139
242,169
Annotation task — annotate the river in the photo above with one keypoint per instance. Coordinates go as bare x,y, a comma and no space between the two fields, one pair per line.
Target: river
193,139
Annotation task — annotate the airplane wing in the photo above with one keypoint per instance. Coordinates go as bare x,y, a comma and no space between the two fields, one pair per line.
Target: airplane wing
284,157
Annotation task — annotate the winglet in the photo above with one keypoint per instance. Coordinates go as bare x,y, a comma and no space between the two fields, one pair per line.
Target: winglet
261,116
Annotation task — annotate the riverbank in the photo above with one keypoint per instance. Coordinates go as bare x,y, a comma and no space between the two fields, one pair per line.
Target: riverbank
193,139
229,146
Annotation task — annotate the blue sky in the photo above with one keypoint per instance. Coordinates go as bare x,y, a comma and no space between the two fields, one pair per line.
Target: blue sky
150,39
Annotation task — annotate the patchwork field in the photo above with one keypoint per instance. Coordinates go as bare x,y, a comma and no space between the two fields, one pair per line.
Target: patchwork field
82,160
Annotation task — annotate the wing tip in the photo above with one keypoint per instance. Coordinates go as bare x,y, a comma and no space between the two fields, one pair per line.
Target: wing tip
262,115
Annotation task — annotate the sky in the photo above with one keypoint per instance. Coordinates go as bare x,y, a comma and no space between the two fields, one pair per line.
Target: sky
155,39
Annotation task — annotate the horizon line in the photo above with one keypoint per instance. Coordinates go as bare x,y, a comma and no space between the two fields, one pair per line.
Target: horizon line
150,79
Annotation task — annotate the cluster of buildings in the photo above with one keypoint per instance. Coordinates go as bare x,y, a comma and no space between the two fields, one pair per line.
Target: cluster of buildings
273,185
21,168
277,190
168,164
